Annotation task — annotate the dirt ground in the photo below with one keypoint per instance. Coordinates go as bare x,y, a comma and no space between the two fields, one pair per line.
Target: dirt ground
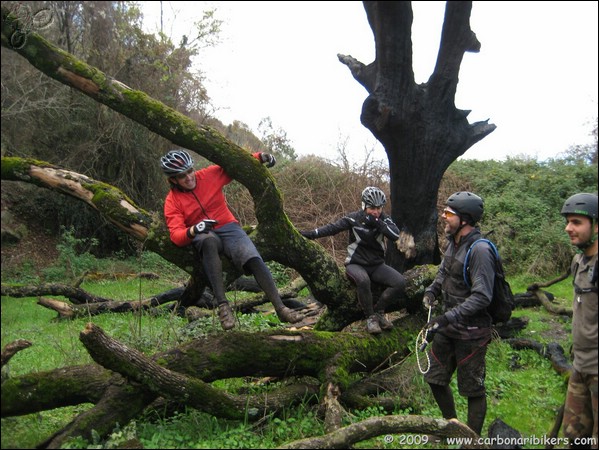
39,251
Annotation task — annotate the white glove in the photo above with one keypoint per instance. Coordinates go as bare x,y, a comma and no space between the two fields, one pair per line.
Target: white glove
267,159
204,226
429,300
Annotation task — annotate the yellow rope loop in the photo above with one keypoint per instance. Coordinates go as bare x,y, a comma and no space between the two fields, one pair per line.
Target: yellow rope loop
421,339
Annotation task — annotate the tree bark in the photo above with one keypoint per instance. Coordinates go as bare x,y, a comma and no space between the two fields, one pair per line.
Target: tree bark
418,124
124,376
389,425
13,348
552,351
75,295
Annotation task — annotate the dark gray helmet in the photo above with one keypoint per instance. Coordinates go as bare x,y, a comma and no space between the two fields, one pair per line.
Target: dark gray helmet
175,162
373,197
466,204
583,204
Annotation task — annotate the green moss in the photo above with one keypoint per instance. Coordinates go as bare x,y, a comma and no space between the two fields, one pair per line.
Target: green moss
17,169
108,200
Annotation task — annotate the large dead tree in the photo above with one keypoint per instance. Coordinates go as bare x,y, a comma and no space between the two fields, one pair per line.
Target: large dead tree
419,125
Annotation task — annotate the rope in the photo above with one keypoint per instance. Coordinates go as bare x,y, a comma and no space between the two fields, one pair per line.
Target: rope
421,344
495,335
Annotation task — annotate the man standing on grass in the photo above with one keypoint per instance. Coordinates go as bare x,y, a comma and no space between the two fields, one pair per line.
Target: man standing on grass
580,413
463,331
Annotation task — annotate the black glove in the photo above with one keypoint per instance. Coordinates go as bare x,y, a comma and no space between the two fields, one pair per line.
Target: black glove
428,300
533,287
428,338
267,159
370,221
204,226
309,234
436,323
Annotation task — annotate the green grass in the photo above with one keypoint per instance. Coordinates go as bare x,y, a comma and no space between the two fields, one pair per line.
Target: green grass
523,389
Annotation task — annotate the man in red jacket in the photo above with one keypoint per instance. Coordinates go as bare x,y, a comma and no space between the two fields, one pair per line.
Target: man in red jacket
196,214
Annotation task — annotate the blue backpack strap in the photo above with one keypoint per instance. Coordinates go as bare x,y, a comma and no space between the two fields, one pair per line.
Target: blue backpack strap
468,257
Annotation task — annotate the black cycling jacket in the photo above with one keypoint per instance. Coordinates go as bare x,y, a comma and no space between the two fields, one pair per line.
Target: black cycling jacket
466,307
366,243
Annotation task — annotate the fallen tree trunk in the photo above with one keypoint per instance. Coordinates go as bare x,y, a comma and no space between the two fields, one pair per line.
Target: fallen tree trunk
388,426
552,351
553,309
75,295
181,388
67,311
13,348
542,298
545,298
333,319
181,375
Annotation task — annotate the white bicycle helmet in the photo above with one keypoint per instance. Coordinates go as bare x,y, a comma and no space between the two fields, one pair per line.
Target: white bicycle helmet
175,162
373,197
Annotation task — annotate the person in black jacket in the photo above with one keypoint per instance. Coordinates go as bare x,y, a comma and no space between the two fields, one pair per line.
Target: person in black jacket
365,262
463,331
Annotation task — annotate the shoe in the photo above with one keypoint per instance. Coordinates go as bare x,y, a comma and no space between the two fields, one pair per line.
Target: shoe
385,323
372,325
288,315
225,314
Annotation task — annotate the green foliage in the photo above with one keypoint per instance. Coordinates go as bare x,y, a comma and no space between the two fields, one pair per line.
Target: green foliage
281,274
276,141
74,258
527,376
77,132
523,199
359,415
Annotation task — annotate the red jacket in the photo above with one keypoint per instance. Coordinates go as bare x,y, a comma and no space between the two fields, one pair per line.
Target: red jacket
182,209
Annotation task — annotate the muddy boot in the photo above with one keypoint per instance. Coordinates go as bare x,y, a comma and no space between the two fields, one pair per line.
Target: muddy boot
372,325
226,316
383,321
288,315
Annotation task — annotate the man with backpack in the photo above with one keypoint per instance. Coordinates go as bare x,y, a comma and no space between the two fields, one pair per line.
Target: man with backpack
580,413
463,331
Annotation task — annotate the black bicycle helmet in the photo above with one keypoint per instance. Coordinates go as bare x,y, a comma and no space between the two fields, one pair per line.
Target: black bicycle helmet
373,197
175,162
583,204
469,206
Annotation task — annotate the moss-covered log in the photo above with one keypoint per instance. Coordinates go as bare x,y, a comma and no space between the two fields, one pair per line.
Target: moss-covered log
329,358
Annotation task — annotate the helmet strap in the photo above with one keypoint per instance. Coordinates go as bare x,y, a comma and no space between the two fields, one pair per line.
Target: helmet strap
462,225
593,238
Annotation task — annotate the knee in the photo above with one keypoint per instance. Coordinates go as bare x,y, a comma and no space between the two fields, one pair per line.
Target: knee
253,264
401,284
209,244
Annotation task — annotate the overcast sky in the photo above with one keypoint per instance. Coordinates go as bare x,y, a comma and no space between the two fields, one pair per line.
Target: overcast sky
535,76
